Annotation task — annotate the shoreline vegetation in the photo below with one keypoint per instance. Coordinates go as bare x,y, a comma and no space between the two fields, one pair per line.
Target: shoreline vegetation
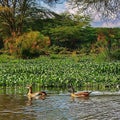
40,46
59,71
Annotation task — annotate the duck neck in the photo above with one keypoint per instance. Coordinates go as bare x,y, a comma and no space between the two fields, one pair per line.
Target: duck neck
73,90
30,90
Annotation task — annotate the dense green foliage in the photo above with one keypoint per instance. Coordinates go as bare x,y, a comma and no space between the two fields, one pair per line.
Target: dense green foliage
66,33
28,45
73,32
15,14
73,37
31,44
28,31
58,71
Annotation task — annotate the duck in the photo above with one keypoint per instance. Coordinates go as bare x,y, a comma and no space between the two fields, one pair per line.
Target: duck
79,94
36,95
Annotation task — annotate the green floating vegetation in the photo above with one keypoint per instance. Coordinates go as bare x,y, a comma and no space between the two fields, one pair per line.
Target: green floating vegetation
49,72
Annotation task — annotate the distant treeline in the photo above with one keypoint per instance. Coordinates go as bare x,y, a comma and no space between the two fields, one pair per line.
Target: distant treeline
62,34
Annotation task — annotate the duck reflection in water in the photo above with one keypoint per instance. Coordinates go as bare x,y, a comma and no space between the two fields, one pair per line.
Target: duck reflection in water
78,99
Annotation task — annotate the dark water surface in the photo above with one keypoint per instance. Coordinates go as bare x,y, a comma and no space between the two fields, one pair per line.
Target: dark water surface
60,106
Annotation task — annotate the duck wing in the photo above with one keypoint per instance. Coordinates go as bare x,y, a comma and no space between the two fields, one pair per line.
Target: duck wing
43,93
82,94
36,94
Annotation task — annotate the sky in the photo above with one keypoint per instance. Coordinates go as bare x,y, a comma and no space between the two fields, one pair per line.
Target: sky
97,22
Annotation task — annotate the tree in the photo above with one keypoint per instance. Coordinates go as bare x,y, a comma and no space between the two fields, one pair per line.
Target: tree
108,8
73,32
14,13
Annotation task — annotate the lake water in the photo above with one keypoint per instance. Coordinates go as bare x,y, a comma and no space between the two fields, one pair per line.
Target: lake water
58,105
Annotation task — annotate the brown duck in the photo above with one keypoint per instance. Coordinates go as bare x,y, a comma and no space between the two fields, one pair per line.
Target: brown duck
35,95
79,94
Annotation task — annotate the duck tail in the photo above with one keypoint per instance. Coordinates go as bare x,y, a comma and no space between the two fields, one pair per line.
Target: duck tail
43,93
89,92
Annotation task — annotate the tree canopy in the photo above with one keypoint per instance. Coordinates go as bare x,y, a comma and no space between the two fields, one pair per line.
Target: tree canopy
28,27
13,14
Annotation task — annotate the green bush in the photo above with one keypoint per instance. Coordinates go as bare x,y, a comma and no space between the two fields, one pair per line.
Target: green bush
102,56
1,43
31,44
116,54
57,49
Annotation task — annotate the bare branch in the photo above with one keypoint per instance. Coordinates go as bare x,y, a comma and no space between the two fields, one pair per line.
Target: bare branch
107,8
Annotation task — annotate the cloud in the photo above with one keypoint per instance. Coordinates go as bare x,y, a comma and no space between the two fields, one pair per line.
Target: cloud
111,24
95,15
59,8
97,20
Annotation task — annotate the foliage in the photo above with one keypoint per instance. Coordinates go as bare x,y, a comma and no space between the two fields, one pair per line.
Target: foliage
1,43
67,32
57,49
6,58
64,19
115,54
72,37
28,45
14,15
70,31
58,72
108,40
32,44
102,56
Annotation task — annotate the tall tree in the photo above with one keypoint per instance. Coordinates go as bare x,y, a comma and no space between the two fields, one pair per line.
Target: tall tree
13,14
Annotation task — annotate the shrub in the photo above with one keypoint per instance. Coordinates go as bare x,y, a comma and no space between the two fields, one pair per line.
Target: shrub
102,56
1,43
57,49
31,44
28,45
116,54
